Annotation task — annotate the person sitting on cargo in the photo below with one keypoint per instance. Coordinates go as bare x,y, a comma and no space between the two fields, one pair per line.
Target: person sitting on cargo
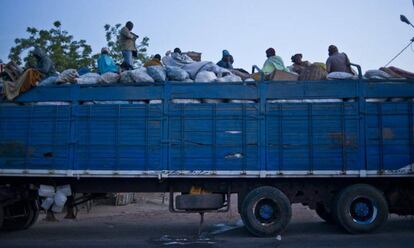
127,43
273,62
179,57
226,61
44,64
154,61
31,77
106,62
338,62
298,65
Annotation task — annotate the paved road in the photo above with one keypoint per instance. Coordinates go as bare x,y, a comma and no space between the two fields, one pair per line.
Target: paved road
150,225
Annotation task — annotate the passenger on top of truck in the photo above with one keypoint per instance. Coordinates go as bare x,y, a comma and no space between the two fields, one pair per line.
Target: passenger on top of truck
154,61
127,43
106,62
273,62
44,68
298,65
226,61
338,62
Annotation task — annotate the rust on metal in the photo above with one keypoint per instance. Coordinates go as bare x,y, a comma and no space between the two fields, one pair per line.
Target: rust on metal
388,133
340,139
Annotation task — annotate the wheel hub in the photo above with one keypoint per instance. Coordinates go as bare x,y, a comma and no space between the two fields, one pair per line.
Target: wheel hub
363,211
266,211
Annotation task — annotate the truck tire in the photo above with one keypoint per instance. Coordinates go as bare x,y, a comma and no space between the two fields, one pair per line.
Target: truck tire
36,212
324,214
266,211
360,208
19,216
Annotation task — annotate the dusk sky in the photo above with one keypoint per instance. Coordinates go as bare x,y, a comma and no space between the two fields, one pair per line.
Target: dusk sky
369,31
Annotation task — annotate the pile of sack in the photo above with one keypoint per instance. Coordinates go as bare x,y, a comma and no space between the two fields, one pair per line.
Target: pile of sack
389,73
150,74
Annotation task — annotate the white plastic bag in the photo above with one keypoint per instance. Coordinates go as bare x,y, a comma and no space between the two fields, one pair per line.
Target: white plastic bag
340,75
60,200
229,78
186,101
126,77
157,73
47,203
65,189
90,78
140,76
377,74
242,101
175,73
205,77
110,78
48,81
46,191
212,101
155,102
67,76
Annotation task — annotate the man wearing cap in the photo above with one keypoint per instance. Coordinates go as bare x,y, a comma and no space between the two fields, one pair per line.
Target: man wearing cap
106,63
127,43
273,62
226,61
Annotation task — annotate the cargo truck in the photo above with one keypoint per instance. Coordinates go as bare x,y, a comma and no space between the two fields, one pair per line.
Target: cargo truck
345,148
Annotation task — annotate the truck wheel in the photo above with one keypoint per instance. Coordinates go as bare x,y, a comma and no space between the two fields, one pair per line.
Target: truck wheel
36,212
360,208
324,214
266,211
19,216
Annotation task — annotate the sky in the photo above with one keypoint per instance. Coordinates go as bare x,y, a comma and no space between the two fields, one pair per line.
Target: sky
369,31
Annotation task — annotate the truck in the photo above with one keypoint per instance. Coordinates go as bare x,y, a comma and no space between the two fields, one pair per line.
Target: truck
345,148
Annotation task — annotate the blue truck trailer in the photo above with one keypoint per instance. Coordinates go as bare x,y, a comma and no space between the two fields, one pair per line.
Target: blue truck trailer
344,148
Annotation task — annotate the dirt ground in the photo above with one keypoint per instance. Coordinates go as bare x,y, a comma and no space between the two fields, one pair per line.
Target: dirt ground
148,223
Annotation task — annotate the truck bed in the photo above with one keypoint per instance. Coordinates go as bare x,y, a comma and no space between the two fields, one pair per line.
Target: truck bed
344,128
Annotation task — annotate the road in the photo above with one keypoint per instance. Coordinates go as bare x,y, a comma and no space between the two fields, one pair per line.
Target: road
149,224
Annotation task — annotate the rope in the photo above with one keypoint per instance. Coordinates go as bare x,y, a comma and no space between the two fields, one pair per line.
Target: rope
405,48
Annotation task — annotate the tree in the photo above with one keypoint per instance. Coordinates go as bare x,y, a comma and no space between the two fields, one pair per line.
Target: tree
64,51
112,39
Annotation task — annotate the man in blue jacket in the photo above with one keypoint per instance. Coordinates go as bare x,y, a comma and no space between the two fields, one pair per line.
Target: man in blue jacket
106,63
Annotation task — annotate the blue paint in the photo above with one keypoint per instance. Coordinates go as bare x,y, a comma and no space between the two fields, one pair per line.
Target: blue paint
262,136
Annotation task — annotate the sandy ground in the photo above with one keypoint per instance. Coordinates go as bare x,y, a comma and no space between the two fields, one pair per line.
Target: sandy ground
147,223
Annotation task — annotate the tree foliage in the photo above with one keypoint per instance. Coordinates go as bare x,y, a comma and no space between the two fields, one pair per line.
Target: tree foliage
64,51
112,39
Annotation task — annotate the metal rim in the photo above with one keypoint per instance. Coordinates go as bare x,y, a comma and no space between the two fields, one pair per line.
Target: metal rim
363,210
266,211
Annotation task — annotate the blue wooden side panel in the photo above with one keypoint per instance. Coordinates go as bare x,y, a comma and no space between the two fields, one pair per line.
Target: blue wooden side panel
118,137
34,137
214,137
228,138
309,137
390,135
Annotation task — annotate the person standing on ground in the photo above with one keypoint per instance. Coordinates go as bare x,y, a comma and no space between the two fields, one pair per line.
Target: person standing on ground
127,43
337,62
